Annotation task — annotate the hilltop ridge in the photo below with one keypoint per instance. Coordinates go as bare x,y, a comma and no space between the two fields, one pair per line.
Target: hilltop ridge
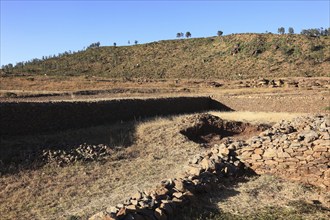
236,56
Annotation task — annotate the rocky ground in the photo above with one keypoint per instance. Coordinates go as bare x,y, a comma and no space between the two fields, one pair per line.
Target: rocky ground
279,150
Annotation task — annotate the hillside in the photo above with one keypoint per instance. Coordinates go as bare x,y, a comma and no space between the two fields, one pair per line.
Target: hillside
238,56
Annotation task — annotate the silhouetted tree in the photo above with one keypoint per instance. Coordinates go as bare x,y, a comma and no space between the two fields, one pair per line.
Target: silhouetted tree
8,67
180,34
129,42
136,42
114,44
219,33
290,30
19,64
281,30
188,34
315,32
93,45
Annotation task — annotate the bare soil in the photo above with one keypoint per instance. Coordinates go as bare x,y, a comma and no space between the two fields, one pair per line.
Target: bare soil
209,129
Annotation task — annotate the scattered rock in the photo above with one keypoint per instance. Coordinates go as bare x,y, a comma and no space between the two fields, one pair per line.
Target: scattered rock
83,152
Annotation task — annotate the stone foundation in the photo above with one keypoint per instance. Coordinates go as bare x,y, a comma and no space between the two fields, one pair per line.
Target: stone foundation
297,150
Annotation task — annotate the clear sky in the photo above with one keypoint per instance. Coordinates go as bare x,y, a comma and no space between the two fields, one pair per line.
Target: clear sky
31,29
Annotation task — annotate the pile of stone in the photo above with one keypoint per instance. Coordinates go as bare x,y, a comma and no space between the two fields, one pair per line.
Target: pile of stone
84,152
297,150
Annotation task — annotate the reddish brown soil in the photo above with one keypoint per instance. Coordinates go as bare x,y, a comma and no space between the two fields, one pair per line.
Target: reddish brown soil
209,129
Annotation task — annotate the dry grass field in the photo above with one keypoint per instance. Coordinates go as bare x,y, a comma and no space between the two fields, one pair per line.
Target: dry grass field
143,153
53,192
257,117
261,197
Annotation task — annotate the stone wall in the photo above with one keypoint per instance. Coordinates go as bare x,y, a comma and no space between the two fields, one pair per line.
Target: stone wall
296,150
37,117
202,174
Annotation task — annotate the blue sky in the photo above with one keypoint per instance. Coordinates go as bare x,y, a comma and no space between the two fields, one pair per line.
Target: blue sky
31,29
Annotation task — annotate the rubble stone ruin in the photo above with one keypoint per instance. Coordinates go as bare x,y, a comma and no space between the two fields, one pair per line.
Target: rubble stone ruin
296,150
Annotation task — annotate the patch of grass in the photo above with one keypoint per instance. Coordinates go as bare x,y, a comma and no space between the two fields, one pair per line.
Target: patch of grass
198,213
294,211
257,117
262,214
327,108
265,197
303,207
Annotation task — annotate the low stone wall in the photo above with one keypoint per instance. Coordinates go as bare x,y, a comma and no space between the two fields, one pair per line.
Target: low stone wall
33,117
296,150
203,173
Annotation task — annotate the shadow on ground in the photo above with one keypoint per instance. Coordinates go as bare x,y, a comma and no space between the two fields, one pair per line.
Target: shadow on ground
205,207
19,152
27,152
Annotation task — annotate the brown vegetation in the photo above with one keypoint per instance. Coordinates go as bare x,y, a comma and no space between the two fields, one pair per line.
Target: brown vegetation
255,55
